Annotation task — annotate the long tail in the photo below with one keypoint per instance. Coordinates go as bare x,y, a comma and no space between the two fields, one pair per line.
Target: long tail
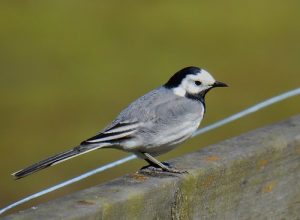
113,135
58,158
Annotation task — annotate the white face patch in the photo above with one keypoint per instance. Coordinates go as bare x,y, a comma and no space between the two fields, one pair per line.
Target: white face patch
189,86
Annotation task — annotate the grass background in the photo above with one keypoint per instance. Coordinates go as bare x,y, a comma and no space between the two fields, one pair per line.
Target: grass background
67,68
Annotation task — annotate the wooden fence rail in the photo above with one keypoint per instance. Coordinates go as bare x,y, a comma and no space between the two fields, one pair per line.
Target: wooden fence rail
252,176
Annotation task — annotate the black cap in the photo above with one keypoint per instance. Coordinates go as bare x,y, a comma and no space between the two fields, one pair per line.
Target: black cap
176,79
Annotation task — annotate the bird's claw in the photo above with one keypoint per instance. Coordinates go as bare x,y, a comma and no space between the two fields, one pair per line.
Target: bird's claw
161,170
173,170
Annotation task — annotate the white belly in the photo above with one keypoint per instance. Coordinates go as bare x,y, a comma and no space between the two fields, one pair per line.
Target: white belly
162,143
166,139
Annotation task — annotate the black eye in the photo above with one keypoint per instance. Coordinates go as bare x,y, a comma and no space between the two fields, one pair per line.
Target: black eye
197,83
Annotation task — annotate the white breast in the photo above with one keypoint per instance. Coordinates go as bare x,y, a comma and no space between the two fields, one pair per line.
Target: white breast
171,138
157,139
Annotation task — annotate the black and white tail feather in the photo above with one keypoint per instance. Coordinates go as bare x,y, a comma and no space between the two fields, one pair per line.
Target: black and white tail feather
111,136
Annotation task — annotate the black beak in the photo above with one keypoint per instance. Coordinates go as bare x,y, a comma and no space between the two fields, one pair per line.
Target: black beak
219,84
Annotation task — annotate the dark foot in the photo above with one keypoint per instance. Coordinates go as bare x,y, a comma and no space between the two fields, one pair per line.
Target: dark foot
167,164
174,170
150,168
155,166
157,169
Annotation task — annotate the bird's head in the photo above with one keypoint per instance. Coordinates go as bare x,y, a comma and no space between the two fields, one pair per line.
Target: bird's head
192,82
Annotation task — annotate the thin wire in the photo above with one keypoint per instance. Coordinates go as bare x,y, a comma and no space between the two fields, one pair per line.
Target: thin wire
227,120
68,182
248,111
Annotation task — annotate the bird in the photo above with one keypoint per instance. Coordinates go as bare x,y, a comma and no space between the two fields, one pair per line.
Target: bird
154,124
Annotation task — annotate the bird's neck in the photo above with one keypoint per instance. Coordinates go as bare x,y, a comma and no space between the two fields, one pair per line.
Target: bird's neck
199,97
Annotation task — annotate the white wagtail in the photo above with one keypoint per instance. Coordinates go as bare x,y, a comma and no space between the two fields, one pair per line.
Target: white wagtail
153,124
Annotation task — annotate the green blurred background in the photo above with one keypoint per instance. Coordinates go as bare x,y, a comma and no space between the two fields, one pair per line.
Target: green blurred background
69,67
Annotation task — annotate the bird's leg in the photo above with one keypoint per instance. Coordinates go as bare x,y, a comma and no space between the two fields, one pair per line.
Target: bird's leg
155,165
154,162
